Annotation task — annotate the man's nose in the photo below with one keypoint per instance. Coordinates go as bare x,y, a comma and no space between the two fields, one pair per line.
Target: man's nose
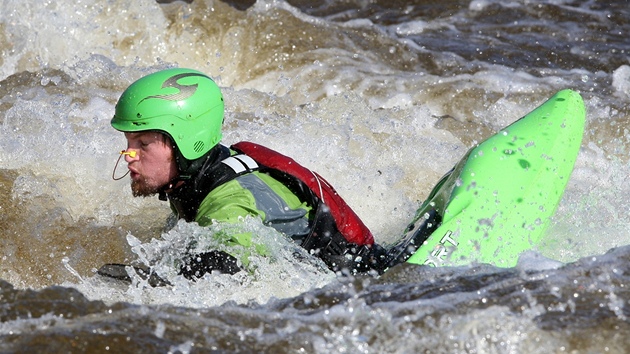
130,155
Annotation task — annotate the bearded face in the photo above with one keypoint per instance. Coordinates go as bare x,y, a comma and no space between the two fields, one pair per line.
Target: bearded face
153,165
144,187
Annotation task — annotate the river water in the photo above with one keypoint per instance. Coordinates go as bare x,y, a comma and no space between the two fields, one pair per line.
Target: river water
381,98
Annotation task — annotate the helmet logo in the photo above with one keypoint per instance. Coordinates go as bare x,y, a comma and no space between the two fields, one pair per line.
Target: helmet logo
185,91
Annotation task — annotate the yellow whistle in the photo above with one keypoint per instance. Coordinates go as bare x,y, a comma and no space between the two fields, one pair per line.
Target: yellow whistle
131,153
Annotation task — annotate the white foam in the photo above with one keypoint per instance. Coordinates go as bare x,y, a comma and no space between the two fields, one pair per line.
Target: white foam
621,81
531,260
478,5
286,271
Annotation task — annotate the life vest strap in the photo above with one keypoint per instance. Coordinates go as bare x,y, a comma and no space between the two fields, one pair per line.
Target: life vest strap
241,164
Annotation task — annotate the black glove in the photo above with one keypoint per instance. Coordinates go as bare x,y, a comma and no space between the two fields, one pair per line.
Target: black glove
119,271
196,265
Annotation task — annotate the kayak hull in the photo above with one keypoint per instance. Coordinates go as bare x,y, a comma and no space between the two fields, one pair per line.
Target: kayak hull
498,200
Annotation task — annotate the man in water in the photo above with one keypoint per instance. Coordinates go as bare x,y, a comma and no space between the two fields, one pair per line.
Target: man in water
172,121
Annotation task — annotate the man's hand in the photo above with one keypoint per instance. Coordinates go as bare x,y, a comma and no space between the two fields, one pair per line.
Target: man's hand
197,265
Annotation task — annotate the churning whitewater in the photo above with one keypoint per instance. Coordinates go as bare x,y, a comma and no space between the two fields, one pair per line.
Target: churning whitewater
379,97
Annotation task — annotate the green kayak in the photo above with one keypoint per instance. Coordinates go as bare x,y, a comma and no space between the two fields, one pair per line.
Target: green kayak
498,200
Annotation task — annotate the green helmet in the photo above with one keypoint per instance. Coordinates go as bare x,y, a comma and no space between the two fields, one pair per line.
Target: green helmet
185,104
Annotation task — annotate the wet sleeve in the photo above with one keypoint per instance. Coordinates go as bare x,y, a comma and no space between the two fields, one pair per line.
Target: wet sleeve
227,203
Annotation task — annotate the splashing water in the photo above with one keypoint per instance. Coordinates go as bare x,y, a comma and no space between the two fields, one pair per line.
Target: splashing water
379,97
